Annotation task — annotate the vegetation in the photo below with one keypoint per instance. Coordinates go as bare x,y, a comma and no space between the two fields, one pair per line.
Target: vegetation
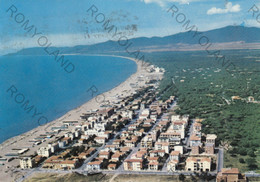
205,88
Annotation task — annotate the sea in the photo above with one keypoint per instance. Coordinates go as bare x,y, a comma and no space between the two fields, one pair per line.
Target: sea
35,90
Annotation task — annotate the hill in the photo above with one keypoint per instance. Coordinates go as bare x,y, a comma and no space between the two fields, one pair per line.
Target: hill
230,37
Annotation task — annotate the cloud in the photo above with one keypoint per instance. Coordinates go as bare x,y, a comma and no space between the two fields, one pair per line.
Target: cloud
163,3
229,8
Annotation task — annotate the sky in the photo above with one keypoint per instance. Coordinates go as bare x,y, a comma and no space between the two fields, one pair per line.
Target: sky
70,22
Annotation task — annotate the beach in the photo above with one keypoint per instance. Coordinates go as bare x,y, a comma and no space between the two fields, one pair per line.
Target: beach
22,141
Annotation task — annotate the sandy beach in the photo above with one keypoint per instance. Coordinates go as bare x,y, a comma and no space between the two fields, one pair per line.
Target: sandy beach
22,141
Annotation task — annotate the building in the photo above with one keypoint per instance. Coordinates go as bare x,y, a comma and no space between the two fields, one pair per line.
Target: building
195,149
178,148
172,165
230,174
175,155
197,127
95,165
112,166
209,148
54,147
101,140
57,162
162,146
104,154
133,164
198,164
147,142
27,162
153,165
194,140
210,138
251,99
44,151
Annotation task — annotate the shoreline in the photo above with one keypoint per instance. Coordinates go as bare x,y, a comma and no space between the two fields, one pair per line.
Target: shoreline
23,140
67,114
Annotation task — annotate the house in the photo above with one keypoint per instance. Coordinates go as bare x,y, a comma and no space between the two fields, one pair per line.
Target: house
83,155
116,157
235,98
251,99
112,166
172,165
153,165
104,154
175,155
133,164
101,140
112,147
198,164
95,165
44,151
27,162
230,174
139,154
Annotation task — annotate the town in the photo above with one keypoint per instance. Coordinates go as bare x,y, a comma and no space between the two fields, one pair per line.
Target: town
139,134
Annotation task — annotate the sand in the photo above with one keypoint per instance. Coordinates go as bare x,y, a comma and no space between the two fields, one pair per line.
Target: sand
22,141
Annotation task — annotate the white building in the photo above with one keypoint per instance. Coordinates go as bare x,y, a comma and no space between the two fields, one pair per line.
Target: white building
27,162
44,151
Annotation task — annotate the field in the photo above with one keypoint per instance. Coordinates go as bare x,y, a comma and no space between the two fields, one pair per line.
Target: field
54,177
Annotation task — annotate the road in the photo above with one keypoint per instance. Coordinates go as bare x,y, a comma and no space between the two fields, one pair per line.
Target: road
220,163
190,131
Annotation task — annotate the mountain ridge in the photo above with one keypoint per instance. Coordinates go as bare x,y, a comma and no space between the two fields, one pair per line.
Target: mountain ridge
248,35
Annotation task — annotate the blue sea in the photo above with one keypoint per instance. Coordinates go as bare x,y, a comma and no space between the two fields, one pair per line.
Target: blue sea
37,89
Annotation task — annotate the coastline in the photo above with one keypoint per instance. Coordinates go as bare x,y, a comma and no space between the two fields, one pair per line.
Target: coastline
86,105
22,141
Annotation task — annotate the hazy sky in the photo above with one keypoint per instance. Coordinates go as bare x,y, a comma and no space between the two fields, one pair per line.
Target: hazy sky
67,22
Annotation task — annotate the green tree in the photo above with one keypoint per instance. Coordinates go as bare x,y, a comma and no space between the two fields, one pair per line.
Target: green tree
182,177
